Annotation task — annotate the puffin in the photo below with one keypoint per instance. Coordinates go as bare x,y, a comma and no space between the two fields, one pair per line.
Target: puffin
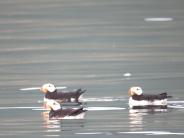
138,100
57,112
51,93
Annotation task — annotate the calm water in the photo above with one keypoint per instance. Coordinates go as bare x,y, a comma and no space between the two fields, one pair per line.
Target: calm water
91,44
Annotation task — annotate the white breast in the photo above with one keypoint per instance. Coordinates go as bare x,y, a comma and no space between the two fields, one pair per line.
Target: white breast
133,102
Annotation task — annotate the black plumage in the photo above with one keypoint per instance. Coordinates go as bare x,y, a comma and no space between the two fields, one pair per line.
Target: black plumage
65,112
151,97
65,96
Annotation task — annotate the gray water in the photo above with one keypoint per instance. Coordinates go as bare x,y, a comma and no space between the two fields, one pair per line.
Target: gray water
91,44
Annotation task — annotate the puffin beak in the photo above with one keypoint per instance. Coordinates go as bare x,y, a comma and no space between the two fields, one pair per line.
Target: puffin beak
129,92
48,107
43,90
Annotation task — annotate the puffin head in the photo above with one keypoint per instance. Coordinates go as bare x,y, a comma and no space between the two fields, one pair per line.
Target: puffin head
53,105
48,87
135,91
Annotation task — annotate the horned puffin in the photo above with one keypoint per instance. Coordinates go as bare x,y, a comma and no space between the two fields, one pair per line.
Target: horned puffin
138,100
51,93
57,112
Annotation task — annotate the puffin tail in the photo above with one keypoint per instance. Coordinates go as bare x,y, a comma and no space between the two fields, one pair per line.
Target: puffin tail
165,95
80,92
169,96
79,95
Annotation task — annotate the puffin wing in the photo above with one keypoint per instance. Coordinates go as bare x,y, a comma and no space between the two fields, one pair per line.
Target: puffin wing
77,111
151,97
61,113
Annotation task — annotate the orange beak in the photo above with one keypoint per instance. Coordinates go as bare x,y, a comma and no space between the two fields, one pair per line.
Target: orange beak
130,92
43,90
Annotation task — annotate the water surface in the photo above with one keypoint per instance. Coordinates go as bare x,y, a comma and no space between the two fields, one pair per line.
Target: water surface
91,44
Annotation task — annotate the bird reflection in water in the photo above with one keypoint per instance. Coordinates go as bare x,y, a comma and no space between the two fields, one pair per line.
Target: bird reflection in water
56,126
136,117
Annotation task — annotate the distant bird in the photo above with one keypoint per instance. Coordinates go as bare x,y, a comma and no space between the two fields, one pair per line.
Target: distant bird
51,93
138,100
56,111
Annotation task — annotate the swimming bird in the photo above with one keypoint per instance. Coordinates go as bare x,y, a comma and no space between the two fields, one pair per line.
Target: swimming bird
56,111
138,100
51,93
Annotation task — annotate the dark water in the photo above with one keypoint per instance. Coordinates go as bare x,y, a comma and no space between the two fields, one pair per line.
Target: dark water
91,44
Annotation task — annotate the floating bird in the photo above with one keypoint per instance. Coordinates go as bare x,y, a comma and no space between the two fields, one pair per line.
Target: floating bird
56,111
138,100
51,93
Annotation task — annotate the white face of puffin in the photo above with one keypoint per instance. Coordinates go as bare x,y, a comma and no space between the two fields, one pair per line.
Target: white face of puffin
48,88
135,91
52,104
